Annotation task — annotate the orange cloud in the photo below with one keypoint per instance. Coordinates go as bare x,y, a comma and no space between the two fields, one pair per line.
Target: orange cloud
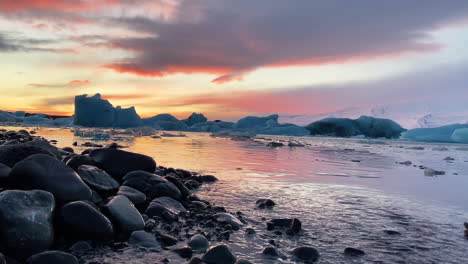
79,82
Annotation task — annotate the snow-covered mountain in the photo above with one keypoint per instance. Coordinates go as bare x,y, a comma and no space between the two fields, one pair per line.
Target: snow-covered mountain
408,115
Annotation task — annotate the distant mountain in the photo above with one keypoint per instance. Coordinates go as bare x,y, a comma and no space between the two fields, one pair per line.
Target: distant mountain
408,115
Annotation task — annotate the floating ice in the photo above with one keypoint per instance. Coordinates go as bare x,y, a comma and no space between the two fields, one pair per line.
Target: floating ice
443,134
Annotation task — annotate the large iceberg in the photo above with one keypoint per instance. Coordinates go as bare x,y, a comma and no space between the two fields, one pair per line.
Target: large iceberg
456,133
194,119
253,122
268,125
364,125
96,112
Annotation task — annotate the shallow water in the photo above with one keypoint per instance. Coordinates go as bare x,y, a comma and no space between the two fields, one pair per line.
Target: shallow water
346,192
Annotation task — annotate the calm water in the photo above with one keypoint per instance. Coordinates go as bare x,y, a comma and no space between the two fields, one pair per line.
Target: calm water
341,202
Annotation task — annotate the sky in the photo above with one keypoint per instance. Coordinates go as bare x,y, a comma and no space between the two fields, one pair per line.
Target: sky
229,59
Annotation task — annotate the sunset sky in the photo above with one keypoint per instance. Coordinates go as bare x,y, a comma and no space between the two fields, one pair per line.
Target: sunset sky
231,58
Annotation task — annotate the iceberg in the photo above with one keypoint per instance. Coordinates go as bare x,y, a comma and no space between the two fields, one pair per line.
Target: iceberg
165,122
455,133
252,122
211,126
365,125
194,119
96,112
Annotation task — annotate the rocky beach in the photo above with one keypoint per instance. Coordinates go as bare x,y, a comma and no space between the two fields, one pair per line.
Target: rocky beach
58,206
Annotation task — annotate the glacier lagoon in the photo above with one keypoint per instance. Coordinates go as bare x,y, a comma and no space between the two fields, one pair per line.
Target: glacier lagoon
347,192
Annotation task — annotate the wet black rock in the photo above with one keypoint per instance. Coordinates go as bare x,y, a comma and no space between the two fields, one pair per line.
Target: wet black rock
143,239
392,232
83,221
226,218
192,184
271,252
124,215
22,235
68,149
265,203
12,154
184,252
306,254
44,172
183,190
243,261
97,179
50,257
151,185
199,243
81,246
274,144
167,240
77,160
353,252
220,254
135,196
208,178
163,204
250,231
292,225
118,162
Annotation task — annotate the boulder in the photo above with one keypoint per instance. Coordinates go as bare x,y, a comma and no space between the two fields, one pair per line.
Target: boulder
77,160
353,252
83,221
12,154
143,239
135,196
118,162
183,252
124,215
50,257
199,243
220,254
183,190
44,172
305,254
97,179
164,204
151,185
26,222
271,252
226,218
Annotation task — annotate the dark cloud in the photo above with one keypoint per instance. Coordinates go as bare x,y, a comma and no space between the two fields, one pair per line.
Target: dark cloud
9,43
234,37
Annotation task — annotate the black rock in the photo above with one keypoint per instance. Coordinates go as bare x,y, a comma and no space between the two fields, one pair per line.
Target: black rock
262,203
2,259
220,254
68,149
392,232
124,215
275,144
50,257
135,196
184,252
118,162
209,178
83,221
271,252
243,261
81,246
353,252
12,154
199,243
44,172
77,160
97,179
164,204
183,190
21,234
151,185
226,218
143,239
167,240
306,254
192,184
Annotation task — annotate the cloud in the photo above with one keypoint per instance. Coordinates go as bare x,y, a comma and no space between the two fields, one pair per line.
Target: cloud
19,44
232,38
79,82
73,83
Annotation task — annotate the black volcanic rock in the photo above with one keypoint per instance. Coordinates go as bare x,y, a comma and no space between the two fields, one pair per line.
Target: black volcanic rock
124,215
97,179
52,257
220,254
151,185
118,162
26,222
83,221
44,172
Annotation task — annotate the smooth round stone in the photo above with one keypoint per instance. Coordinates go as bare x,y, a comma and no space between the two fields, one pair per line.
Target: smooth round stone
81,246
184,252
208,178
12,154
143,239
151,185
68,149
306,253
271,252
44,172
83,221
50,257
220,254
353,252
4,171
226,218
21,234
199,243
135,196
183,190
97,179
163,204
77,160
118,162
124,215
